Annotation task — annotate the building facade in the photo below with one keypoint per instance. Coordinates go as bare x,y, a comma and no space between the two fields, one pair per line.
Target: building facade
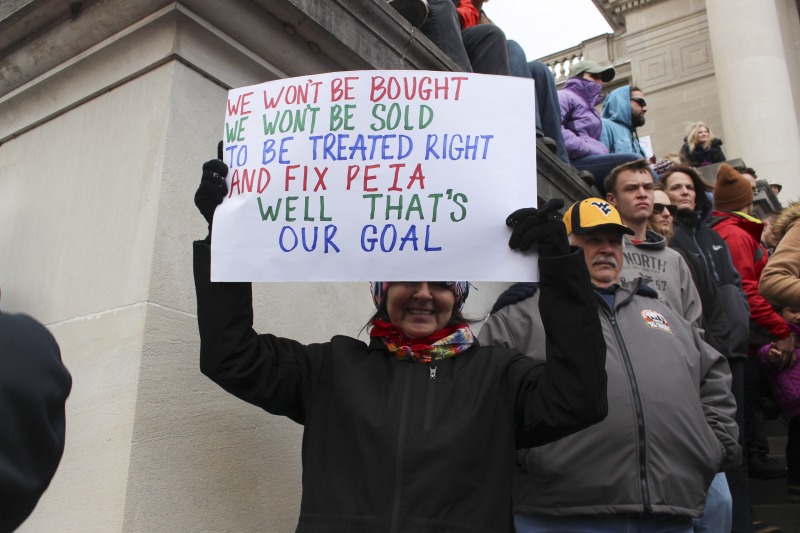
734,64
109,109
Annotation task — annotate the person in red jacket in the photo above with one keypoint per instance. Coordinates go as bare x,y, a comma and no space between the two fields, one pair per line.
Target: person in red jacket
733,220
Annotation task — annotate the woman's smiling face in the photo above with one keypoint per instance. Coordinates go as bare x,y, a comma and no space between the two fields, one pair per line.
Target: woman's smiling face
419,308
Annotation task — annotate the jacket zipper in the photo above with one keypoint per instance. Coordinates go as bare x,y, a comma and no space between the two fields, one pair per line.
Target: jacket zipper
401,445
429,398
637,403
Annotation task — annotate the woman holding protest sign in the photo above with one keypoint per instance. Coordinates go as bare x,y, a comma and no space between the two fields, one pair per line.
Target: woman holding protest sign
415,430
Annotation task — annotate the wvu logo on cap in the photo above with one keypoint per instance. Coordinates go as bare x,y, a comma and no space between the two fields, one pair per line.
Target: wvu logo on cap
602,206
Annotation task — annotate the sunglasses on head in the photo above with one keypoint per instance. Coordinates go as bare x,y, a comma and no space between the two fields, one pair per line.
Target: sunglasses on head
639,101
659,208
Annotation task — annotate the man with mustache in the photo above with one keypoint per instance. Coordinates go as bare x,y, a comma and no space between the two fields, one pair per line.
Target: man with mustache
634,469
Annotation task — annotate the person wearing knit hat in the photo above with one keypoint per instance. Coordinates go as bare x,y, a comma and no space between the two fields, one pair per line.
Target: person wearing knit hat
419,402
732,192
733,198
659,371
460,290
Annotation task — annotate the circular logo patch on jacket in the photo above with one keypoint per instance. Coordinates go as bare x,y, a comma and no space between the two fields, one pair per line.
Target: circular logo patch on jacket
656,320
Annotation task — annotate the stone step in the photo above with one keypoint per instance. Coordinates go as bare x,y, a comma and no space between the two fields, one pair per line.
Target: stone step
785,516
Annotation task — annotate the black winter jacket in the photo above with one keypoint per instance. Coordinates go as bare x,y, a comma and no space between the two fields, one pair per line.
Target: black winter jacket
386,446
704,156
693,235
34,386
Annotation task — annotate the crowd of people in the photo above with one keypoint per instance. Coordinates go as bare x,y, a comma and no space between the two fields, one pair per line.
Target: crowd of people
759,320
626,383
621,392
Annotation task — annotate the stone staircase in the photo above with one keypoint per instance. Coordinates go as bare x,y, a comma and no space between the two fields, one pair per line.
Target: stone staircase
768,497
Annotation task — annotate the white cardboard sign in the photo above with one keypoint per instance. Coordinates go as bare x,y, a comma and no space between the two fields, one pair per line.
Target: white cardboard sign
389,175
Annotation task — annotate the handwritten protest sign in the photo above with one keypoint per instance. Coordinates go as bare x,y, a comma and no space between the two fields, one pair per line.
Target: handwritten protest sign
355,176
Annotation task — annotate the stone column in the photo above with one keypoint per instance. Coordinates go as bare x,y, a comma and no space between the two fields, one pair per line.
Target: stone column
755,89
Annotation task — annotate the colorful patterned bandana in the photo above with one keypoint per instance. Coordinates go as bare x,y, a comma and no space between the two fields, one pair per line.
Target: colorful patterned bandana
447,342
460,290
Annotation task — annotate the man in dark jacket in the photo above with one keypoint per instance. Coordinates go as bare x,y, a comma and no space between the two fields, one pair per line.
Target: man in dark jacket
34,385
633,469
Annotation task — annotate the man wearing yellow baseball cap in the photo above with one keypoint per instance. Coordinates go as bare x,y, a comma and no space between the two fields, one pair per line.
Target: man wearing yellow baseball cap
633,470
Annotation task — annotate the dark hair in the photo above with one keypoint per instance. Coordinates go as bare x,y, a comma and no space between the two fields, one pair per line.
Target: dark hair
771,216
610,183
634,88
701,201
741,169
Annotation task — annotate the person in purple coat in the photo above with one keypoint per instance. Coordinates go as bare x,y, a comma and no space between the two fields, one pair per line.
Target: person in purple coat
783,373
581,125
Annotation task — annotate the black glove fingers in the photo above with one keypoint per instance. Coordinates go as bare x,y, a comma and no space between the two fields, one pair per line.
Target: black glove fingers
551,206
215,166
519,216
212,188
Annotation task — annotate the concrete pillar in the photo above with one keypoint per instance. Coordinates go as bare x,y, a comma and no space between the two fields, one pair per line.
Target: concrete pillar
755,89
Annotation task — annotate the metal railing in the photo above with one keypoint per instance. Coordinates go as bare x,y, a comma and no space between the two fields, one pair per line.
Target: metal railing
560,62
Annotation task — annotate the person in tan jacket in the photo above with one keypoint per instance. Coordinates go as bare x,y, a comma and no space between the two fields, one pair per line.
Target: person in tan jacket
780,280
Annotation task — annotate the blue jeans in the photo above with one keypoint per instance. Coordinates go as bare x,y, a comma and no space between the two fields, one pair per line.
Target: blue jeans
480,49
718,515
548,112
601,165
620,523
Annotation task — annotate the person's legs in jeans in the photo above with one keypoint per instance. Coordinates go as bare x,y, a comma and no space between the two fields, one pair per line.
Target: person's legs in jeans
548,108
443,28
486,48
518,66
718,512
600,165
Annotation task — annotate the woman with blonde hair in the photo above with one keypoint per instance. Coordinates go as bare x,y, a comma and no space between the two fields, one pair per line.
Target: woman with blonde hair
700,147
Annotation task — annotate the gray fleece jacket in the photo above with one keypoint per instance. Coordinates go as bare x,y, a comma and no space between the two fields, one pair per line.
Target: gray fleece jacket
670,425
665,271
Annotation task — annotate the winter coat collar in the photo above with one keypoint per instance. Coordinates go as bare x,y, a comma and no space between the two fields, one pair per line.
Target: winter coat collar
588,91
786,220
624,291
652,241
685,217
751,225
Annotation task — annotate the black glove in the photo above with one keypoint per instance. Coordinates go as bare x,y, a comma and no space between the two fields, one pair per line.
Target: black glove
515,293
538,226
212,187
